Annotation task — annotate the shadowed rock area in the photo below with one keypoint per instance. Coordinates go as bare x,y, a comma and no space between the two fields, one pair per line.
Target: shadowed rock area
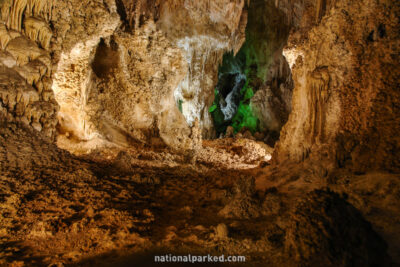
265,129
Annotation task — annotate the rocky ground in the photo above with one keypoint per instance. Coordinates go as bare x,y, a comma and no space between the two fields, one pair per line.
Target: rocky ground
107,79
60,210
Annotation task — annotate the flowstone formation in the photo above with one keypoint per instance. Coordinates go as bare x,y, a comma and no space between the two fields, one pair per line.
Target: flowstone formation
343,67
25,65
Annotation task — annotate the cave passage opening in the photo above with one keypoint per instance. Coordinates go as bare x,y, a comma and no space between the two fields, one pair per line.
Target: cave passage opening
231,106
254,86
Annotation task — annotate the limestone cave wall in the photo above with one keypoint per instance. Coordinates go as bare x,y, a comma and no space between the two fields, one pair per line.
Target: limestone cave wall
26,66
107,72
161,53
346,98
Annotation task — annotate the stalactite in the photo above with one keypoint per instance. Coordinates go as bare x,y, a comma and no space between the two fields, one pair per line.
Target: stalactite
46,61
137,14
318,86
6,11
24,50
12,12
27,64
320,10
38,30
40,8
130,11
17,11
32,27
4,36
21,94
34,6
27,73
45,35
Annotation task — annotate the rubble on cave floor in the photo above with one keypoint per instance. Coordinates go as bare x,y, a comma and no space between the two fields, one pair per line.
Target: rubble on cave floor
59,209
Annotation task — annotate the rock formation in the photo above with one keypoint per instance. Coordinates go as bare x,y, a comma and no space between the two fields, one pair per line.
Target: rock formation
26,65
341,73
264,128
189,57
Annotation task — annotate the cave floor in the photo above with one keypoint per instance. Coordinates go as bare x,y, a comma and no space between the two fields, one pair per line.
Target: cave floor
60,210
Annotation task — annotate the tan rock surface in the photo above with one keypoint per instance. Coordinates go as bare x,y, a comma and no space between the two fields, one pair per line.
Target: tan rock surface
106,78
343,69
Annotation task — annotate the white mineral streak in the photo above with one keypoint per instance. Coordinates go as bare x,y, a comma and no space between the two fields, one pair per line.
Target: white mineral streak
230,108
198,51
291,55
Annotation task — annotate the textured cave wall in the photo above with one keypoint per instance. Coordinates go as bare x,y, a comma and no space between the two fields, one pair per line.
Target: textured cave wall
47,47
343,56
25,65
136,98
79,27
346,97
161,53
204,31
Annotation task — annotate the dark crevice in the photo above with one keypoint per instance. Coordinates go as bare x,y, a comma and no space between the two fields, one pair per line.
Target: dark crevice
122,11
106,58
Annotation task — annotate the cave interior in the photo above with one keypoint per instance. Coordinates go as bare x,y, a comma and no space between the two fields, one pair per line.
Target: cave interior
239,132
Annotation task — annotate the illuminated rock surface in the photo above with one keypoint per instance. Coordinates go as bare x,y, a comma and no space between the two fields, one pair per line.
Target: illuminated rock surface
130,128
